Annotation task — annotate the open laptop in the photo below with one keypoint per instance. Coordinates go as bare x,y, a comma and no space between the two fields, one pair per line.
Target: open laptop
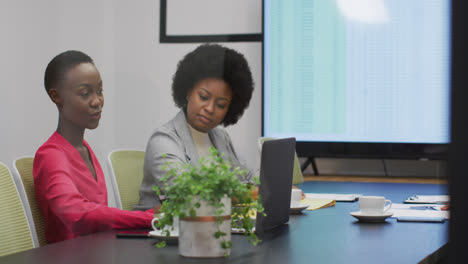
276,173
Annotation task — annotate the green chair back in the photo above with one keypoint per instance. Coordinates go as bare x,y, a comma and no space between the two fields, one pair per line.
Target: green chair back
15,234
297,172
127,171
24,169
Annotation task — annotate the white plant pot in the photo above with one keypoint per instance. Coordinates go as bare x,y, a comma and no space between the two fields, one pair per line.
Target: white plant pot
196,236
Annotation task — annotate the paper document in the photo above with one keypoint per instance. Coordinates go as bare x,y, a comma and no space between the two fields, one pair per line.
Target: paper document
336,197
315,204
428,199
419,210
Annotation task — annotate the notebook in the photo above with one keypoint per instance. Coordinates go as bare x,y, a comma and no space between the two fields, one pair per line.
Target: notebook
276,172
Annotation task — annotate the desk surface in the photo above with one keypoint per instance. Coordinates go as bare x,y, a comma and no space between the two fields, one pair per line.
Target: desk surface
327,235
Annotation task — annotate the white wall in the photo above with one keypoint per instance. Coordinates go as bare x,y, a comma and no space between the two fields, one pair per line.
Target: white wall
123,38
32,33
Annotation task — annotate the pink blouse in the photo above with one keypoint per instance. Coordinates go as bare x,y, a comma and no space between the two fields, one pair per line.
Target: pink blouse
71,200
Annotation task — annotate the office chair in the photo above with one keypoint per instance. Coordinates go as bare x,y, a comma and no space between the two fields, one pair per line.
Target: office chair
126,168
297,172
15,231
23,176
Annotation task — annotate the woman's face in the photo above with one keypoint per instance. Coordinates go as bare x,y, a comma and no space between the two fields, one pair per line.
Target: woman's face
208,103
80,97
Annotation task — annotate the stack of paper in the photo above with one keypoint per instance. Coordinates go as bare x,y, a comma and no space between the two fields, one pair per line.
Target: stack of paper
428,199
419,210
336,197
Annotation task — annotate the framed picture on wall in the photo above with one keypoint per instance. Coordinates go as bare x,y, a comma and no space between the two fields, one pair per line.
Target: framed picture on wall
184,21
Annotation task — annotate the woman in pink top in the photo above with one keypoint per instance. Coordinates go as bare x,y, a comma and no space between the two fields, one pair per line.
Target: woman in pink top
69,182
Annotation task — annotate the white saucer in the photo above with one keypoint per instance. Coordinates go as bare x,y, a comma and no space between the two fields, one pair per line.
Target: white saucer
297,209
371,218
162,235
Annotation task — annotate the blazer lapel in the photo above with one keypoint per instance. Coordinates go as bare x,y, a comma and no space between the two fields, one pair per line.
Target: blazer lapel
182,129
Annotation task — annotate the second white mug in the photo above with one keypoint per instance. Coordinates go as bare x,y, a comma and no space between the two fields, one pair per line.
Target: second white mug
296,196
374,205
174,230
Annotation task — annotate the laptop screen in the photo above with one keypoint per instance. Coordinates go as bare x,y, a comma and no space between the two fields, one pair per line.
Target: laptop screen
276,172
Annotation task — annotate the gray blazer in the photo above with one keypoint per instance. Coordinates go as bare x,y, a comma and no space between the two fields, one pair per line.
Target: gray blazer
175,140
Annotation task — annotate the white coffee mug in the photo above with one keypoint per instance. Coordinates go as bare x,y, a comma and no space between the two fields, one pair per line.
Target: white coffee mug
174,230
296,196
374,205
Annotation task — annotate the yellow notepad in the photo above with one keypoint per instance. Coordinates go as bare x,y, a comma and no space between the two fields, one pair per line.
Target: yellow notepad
315,203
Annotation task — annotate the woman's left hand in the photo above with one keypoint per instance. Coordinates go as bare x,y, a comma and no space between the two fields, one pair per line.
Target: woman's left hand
156,209
254,193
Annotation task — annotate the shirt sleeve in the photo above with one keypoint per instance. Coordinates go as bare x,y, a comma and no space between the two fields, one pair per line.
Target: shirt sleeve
61,195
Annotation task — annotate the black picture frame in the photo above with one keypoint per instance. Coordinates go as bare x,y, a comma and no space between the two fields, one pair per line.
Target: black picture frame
165,38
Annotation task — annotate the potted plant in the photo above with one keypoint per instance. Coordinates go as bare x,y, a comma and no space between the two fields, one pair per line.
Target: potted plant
201,197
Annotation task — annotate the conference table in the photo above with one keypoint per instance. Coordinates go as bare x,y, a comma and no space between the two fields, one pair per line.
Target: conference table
329,235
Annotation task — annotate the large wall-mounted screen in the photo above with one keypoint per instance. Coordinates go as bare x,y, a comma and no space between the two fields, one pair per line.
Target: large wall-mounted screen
359,72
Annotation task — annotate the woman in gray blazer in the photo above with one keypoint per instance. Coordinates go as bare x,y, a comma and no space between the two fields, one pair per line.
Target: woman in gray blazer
212,86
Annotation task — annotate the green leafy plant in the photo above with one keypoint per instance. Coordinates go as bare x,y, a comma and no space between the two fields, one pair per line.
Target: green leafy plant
211,180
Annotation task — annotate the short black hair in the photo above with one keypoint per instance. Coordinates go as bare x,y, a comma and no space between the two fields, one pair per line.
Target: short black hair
215,61
60,64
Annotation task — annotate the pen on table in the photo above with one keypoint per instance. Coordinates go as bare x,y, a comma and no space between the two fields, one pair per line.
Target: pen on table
130,235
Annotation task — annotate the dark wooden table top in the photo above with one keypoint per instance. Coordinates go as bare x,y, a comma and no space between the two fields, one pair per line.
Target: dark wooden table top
328,235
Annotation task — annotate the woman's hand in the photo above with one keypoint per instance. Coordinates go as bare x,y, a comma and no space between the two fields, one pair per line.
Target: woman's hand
156,209
254,193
